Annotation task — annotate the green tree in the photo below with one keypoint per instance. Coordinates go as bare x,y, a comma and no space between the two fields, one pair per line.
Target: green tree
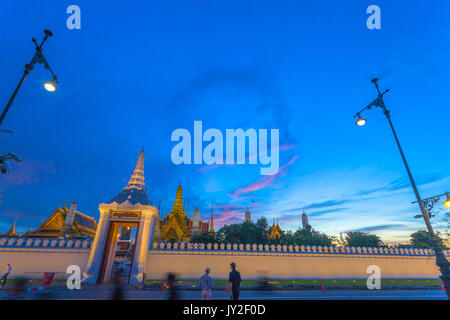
205,237
421,239
360,239
258,232
309,237
246,232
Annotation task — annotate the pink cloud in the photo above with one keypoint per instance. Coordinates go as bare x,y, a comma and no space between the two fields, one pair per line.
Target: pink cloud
231,213
283,147
263,182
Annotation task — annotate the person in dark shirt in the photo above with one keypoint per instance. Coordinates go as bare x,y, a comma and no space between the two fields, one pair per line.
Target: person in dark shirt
235,281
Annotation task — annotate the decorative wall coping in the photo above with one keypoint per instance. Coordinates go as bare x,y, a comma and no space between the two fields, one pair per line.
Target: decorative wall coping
317,250
38,243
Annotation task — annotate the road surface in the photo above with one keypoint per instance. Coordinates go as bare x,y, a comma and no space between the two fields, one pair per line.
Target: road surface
105,292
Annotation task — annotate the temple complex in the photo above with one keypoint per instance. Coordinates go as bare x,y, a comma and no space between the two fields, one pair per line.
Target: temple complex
178,226
133,243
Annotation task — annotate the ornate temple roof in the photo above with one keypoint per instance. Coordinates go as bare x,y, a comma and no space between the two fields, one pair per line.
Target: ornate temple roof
275,231
82,225
135,191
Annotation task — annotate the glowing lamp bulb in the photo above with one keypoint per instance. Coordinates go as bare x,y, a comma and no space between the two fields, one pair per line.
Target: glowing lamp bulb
50,86
361,121
447,202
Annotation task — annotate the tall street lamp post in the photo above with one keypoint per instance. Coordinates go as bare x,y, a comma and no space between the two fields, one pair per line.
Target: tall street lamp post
37,58
441,260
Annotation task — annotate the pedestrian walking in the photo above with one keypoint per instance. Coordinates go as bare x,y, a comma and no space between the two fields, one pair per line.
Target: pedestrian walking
206,284
5,275
235,282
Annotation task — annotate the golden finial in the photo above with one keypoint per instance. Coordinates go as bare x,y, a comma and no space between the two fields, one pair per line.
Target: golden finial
211,223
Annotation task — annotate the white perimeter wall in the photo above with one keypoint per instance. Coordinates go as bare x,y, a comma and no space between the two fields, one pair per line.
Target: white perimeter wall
191,265
35,264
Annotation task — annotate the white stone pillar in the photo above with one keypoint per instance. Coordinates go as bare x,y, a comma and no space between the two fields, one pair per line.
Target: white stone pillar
90,275
153,222
142,243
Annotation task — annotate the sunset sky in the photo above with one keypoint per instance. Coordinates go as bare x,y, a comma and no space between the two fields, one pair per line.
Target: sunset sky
136,71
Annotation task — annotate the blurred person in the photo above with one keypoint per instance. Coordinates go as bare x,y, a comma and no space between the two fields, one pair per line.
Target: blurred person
117,285
263,282
235,282
18,290
173,294
5,275
206,283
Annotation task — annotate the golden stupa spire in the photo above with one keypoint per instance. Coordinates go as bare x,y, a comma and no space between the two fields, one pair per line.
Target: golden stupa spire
178,207
211,222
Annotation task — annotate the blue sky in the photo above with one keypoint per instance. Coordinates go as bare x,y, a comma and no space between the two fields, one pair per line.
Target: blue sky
138,70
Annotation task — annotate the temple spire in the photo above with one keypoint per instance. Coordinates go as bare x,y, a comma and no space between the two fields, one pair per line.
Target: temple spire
211,222
135,191
12,231
178,207
137,178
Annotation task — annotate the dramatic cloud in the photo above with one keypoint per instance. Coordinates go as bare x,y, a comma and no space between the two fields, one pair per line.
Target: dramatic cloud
381,227
231,213
264,181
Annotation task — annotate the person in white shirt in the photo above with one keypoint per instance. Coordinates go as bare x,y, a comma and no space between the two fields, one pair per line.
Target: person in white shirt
206,283
7,272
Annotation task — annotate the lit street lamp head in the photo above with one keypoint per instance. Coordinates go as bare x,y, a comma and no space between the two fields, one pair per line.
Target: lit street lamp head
361,121
50,86
447,202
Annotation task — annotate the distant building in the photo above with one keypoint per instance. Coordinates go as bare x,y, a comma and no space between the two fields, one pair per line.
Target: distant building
305,220
247,216
196,222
